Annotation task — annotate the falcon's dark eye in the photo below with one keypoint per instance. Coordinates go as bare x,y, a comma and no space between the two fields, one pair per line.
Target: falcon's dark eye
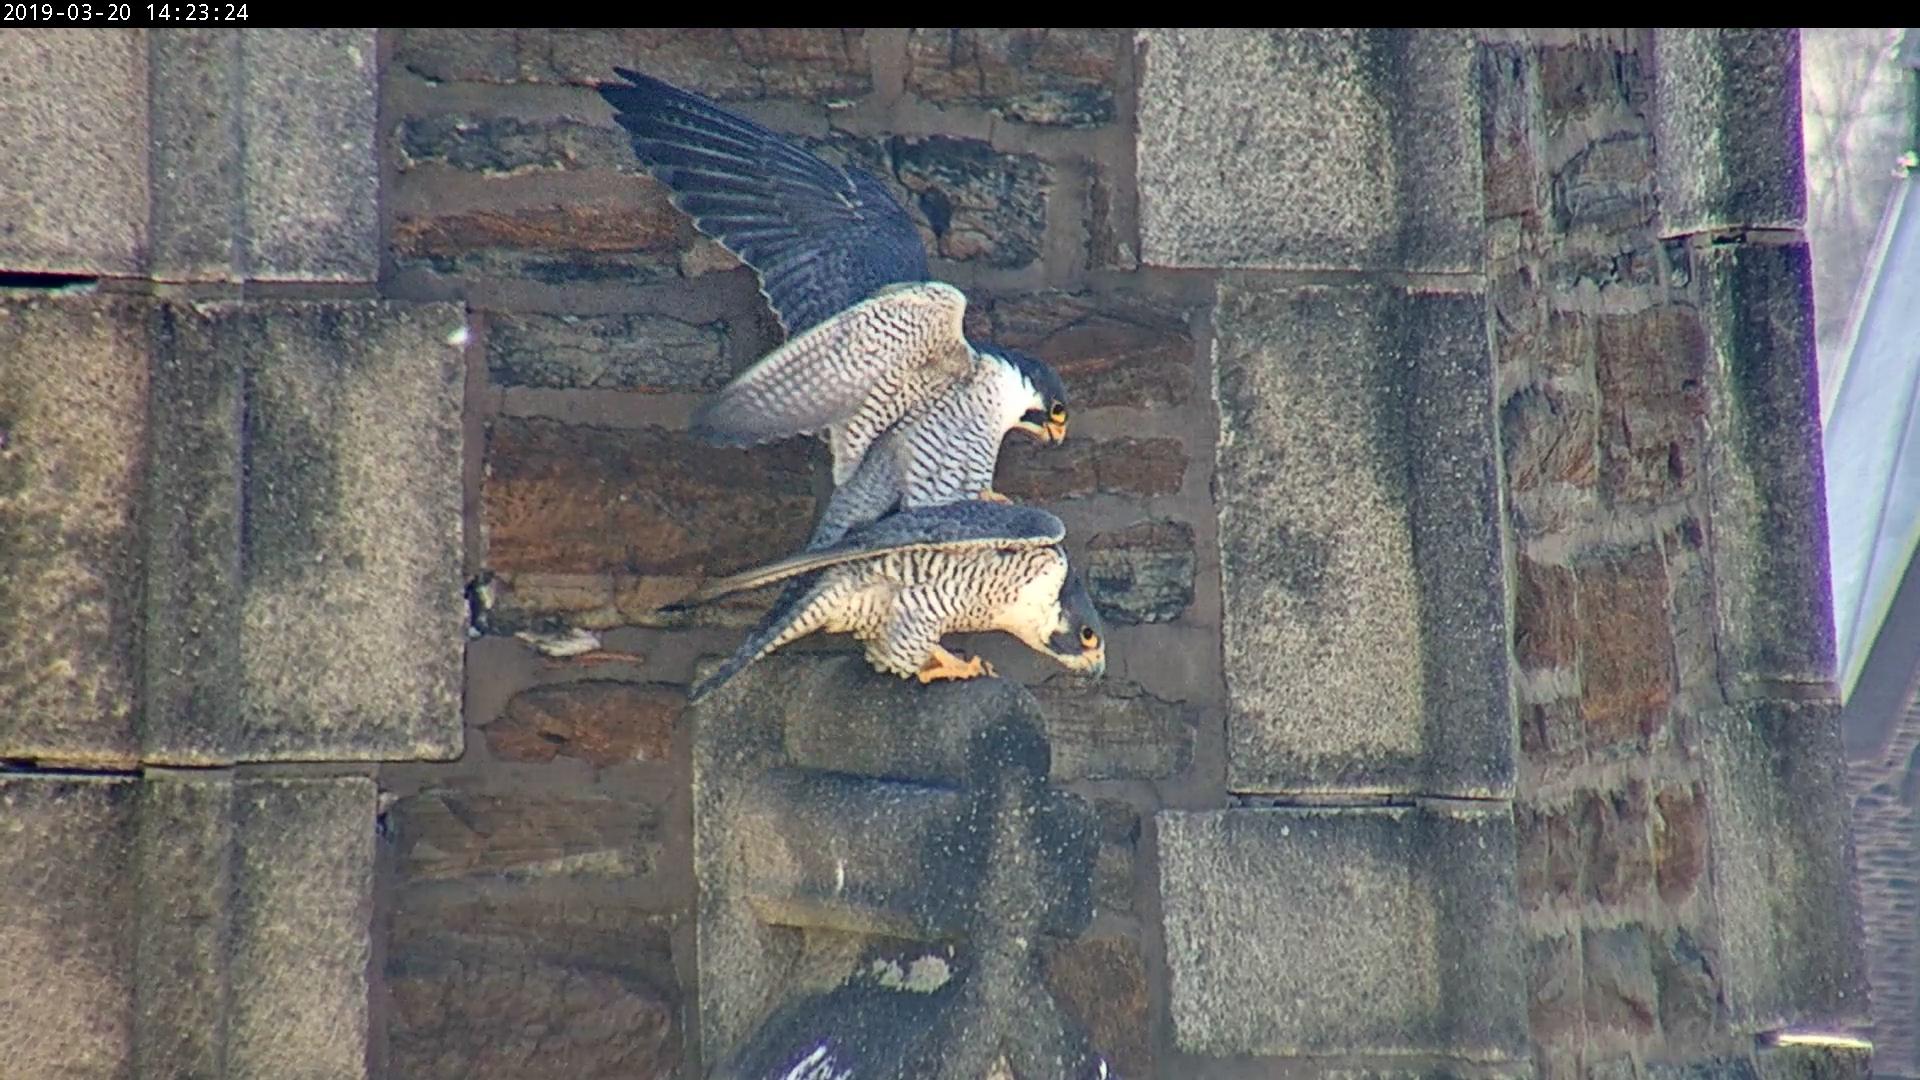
1058,414
1088,638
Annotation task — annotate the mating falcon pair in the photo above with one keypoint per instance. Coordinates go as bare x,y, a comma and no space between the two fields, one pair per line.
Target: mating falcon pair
914,543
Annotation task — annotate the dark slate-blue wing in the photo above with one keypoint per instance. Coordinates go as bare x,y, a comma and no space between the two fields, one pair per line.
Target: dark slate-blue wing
821,237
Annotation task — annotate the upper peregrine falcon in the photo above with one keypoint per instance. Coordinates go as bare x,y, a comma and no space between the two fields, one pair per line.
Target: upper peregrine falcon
903,582
875,345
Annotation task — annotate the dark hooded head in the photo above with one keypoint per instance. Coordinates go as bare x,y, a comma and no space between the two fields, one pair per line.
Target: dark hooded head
1046,420
1079,642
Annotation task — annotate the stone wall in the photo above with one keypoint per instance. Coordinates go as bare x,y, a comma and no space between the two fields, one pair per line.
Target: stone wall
1442,455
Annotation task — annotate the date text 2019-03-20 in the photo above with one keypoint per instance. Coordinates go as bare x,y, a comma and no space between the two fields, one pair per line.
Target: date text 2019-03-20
121,13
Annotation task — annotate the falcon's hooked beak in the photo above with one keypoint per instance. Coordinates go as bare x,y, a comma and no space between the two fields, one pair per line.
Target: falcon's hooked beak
1049,427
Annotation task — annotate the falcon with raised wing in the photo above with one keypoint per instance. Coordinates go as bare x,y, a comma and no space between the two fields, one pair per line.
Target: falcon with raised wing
902,583
875,348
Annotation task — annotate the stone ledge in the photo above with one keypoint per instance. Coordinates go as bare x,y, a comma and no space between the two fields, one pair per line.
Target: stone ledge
1365,634
1318,932
1765,476
1726,127
192,155
73,132
1780,862
194,922
73,447
1309,150
303,533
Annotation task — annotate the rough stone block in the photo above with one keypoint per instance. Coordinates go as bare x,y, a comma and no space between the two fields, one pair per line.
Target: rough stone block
67,907
1626,646
1689,991
1102,982
1142,573
527,936
1767,530
809,64
184,832
1553,733
196,924
1552,855
648,353
1082,467
1621,995
602,723
1510,124
73,448
1111,729
1616,845
979,204
1606,186
197,146
1063,77
1650,370
1133,351
309,100
1309,149
1726,122
1113,867
489,1017
1310,932
303,527
1555,1011
1365,628
602,526
1590,78
301,916
1679,841
1550,437
626,240
1780,861
73,132
452,834
497,145
1546,622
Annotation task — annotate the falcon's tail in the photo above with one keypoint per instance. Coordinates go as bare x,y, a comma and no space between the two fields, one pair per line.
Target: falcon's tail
782,623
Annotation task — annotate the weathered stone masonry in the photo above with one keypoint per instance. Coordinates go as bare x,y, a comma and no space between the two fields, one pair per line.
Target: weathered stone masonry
1443,454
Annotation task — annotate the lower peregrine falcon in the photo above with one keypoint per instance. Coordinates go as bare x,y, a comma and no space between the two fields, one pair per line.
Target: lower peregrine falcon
905,581
875,345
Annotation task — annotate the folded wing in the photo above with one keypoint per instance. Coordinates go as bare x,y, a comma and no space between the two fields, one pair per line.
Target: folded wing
895,347
952,527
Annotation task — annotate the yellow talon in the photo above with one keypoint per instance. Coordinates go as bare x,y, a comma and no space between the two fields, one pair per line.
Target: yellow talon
942,664
992,496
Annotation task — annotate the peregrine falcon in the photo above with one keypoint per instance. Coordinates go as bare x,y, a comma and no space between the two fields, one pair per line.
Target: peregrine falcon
874,345
901,583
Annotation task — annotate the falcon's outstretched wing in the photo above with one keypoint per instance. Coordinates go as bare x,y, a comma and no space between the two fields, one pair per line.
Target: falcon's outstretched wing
821,237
